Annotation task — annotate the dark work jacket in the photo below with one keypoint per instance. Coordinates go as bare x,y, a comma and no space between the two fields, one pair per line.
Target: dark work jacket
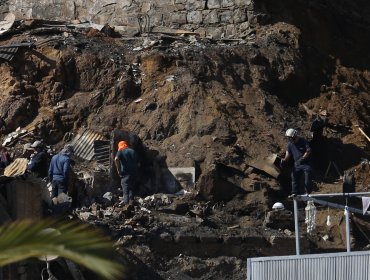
59,168
39,164
298,148
128,160
4,159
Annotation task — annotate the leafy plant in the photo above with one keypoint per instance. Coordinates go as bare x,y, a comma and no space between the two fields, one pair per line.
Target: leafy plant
77,242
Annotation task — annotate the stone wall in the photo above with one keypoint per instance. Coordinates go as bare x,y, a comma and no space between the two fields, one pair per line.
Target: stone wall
215,18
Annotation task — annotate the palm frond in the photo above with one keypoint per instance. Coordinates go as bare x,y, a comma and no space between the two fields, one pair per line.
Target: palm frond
77,242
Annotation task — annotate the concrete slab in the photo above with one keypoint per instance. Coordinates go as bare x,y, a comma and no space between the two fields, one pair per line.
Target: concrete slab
184,175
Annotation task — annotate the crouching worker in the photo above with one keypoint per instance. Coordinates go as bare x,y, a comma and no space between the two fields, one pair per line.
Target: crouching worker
38,163
126,158
59,170
299,150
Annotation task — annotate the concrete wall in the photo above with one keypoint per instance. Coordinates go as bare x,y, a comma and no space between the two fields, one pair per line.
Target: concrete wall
217,18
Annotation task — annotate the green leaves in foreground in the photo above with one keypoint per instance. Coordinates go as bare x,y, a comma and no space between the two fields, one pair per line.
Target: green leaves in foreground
77,242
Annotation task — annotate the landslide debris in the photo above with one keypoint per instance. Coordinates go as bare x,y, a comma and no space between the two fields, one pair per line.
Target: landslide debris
209,104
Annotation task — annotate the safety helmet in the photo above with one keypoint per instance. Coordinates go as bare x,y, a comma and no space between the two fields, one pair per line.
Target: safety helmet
278,206
291,133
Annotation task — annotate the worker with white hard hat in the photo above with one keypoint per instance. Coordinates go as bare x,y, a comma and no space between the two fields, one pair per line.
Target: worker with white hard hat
299,150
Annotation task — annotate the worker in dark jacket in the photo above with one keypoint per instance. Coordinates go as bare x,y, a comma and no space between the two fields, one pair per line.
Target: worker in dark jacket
299,150
60,167
39,160
126,158
4,157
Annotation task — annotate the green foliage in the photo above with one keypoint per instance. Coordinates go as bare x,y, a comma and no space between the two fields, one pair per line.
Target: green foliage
77,242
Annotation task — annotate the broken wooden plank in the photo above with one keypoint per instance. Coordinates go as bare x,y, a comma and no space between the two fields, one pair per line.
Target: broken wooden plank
266,167
171,31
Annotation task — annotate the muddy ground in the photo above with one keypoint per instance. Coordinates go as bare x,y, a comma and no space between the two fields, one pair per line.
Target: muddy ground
214,105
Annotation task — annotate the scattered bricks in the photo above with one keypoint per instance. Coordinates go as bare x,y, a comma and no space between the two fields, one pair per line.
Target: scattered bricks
214,4
233,240
226,17
186,239
240,15
194,17
179,18
193,5
166,237
227,3
211,17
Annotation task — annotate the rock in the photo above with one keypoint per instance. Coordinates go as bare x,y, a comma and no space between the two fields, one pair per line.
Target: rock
194,17
214,185
279,219
214,4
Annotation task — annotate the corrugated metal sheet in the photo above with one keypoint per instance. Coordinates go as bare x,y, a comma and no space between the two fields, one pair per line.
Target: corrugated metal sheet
16,168
83,144
338,266
8,53
102,152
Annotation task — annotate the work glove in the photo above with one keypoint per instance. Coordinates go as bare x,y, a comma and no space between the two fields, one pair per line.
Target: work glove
300,161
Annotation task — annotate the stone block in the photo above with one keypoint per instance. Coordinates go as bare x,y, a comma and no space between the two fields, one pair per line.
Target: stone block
214,4
211,17
240,15
179,18
230,30
146,7
180,1
195,17
179,7
163,3
192,5
215,32
227,3
243,26
201,31
226,17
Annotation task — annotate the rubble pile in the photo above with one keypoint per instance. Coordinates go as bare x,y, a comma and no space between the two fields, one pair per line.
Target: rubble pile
207,116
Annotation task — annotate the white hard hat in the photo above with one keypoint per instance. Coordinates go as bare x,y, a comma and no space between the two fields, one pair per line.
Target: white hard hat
291,132
278,206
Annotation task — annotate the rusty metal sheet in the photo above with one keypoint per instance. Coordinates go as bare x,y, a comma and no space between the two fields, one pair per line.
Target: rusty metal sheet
17,168
83,144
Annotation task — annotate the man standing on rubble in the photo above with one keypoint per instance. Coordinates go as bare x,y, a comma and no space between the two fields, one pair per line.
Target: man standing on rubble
59,169
39,160
127,159
298,149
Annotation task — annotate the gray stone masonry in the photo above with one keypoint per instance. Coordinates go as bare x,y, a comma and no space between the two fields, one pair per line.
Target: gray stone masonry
215,18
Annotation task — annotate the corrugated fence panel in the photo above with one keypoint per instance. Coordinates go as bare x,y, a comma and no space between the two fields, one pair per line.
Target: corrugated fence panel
83,144
338,266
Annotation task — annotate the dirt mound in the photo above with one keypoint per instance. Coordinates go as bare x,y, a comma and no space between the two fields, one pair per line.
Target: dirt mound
213,106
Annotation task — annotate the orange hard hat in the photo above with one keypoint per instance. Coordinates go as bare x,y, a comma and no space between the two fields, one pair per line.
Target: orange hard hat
122,145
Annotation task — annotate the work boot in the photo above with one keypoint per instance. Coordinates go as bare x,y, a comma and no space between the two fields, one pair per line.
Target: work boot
293,195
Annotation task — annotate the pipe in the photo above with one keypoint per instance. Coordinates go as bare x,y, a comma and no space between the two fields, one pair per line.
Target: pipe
346,212
296,227
331,204
335,194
